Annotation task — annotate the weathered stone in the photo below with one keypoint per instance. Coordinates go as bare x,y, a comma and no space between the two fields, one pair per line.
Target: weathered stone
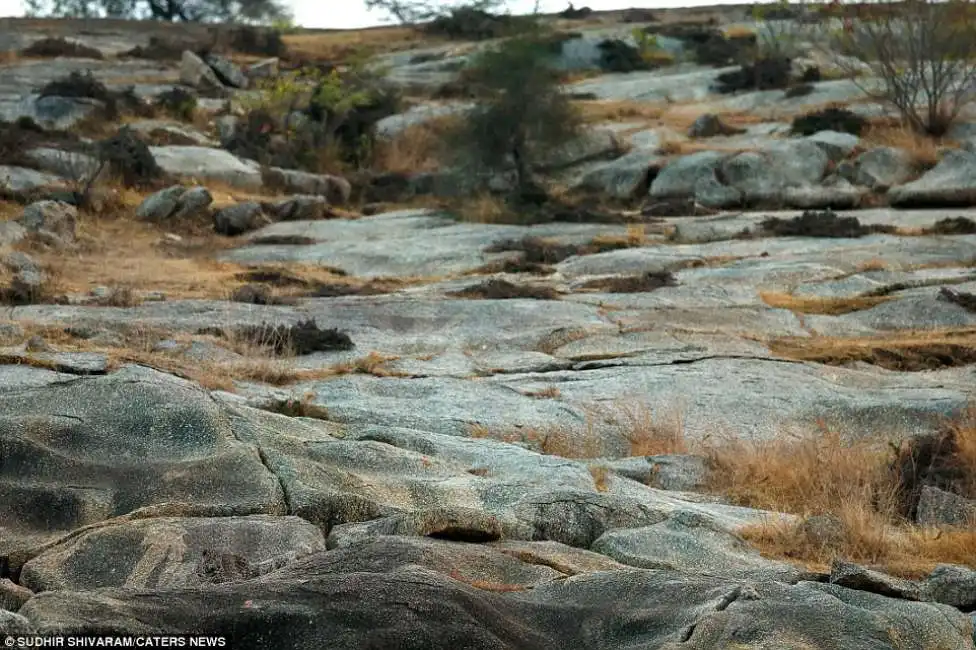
951,585
853,576
195,72
882,167
203,163
940,508
239,219
228,73
952,182
335,189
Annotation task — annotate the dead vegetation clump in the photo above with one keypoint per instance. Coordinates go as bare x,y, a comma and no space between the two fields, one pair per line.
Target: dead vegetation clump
498,289
632,284
813,223
258,294
964,299
952,226
832,118
856,497
129,159
820,305
53,47
300,339
535,250
907,352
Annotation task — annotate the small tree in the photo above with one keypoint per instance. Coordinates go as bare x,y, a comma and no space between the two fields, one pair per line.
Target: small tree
209,11
522,111
921,53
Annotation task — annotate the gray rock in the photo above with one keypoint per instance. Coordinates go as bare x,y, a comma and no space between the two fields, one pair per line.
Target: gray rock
195,202
835,193
13,596
712,193
74,363
301,208
765,176
951,584
335,189
689,542
951,183
52,216
204,163
180,134
940,508
67,164
167,552
592,144
622,178
263,69
710,125
680,472
853,576
227,126
184,460
195,72
616,609
836,145
882,167
19,179
679,177
11,233
160,205
14,624
62,113
239,219
227,71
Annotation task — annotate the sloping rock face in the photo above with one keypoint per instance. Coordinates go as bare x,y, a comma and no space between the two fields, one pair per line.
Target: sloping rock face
89,450
419,607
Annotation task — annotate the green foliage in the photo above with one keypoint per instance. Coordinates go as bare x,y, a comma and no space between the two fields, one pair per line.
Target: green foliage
210,11
522,113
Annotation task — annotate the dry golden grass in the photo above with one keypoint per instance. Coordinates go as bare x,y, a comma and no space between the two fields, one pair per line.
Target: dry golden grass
483,208
626,110
924,150
628,424
851,486
817,305
739,31
340,45
600,475
549,392
876,264
419,148
911,350
485,585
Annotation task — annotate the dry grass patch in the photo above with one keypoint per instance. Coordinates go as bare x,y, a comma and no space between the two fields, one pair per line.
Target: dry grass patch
875,264
418,148
622,428
924,150
819,305
484,208
624,110
340,45
905,351
853,496
549,392
601,476
485,585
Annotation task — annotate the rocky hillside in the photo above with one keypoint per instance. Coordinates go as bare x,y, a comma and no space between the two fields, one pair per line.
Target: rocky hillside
722,397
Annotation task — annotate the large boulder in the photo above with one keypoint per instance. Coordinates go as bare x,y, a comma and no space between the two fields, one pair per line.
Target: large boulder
81,452
415,606
882,167
195,72
765,176
206,164
176,202
241,218
952,182
623,178
335,189
166,552
679,177
55,218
